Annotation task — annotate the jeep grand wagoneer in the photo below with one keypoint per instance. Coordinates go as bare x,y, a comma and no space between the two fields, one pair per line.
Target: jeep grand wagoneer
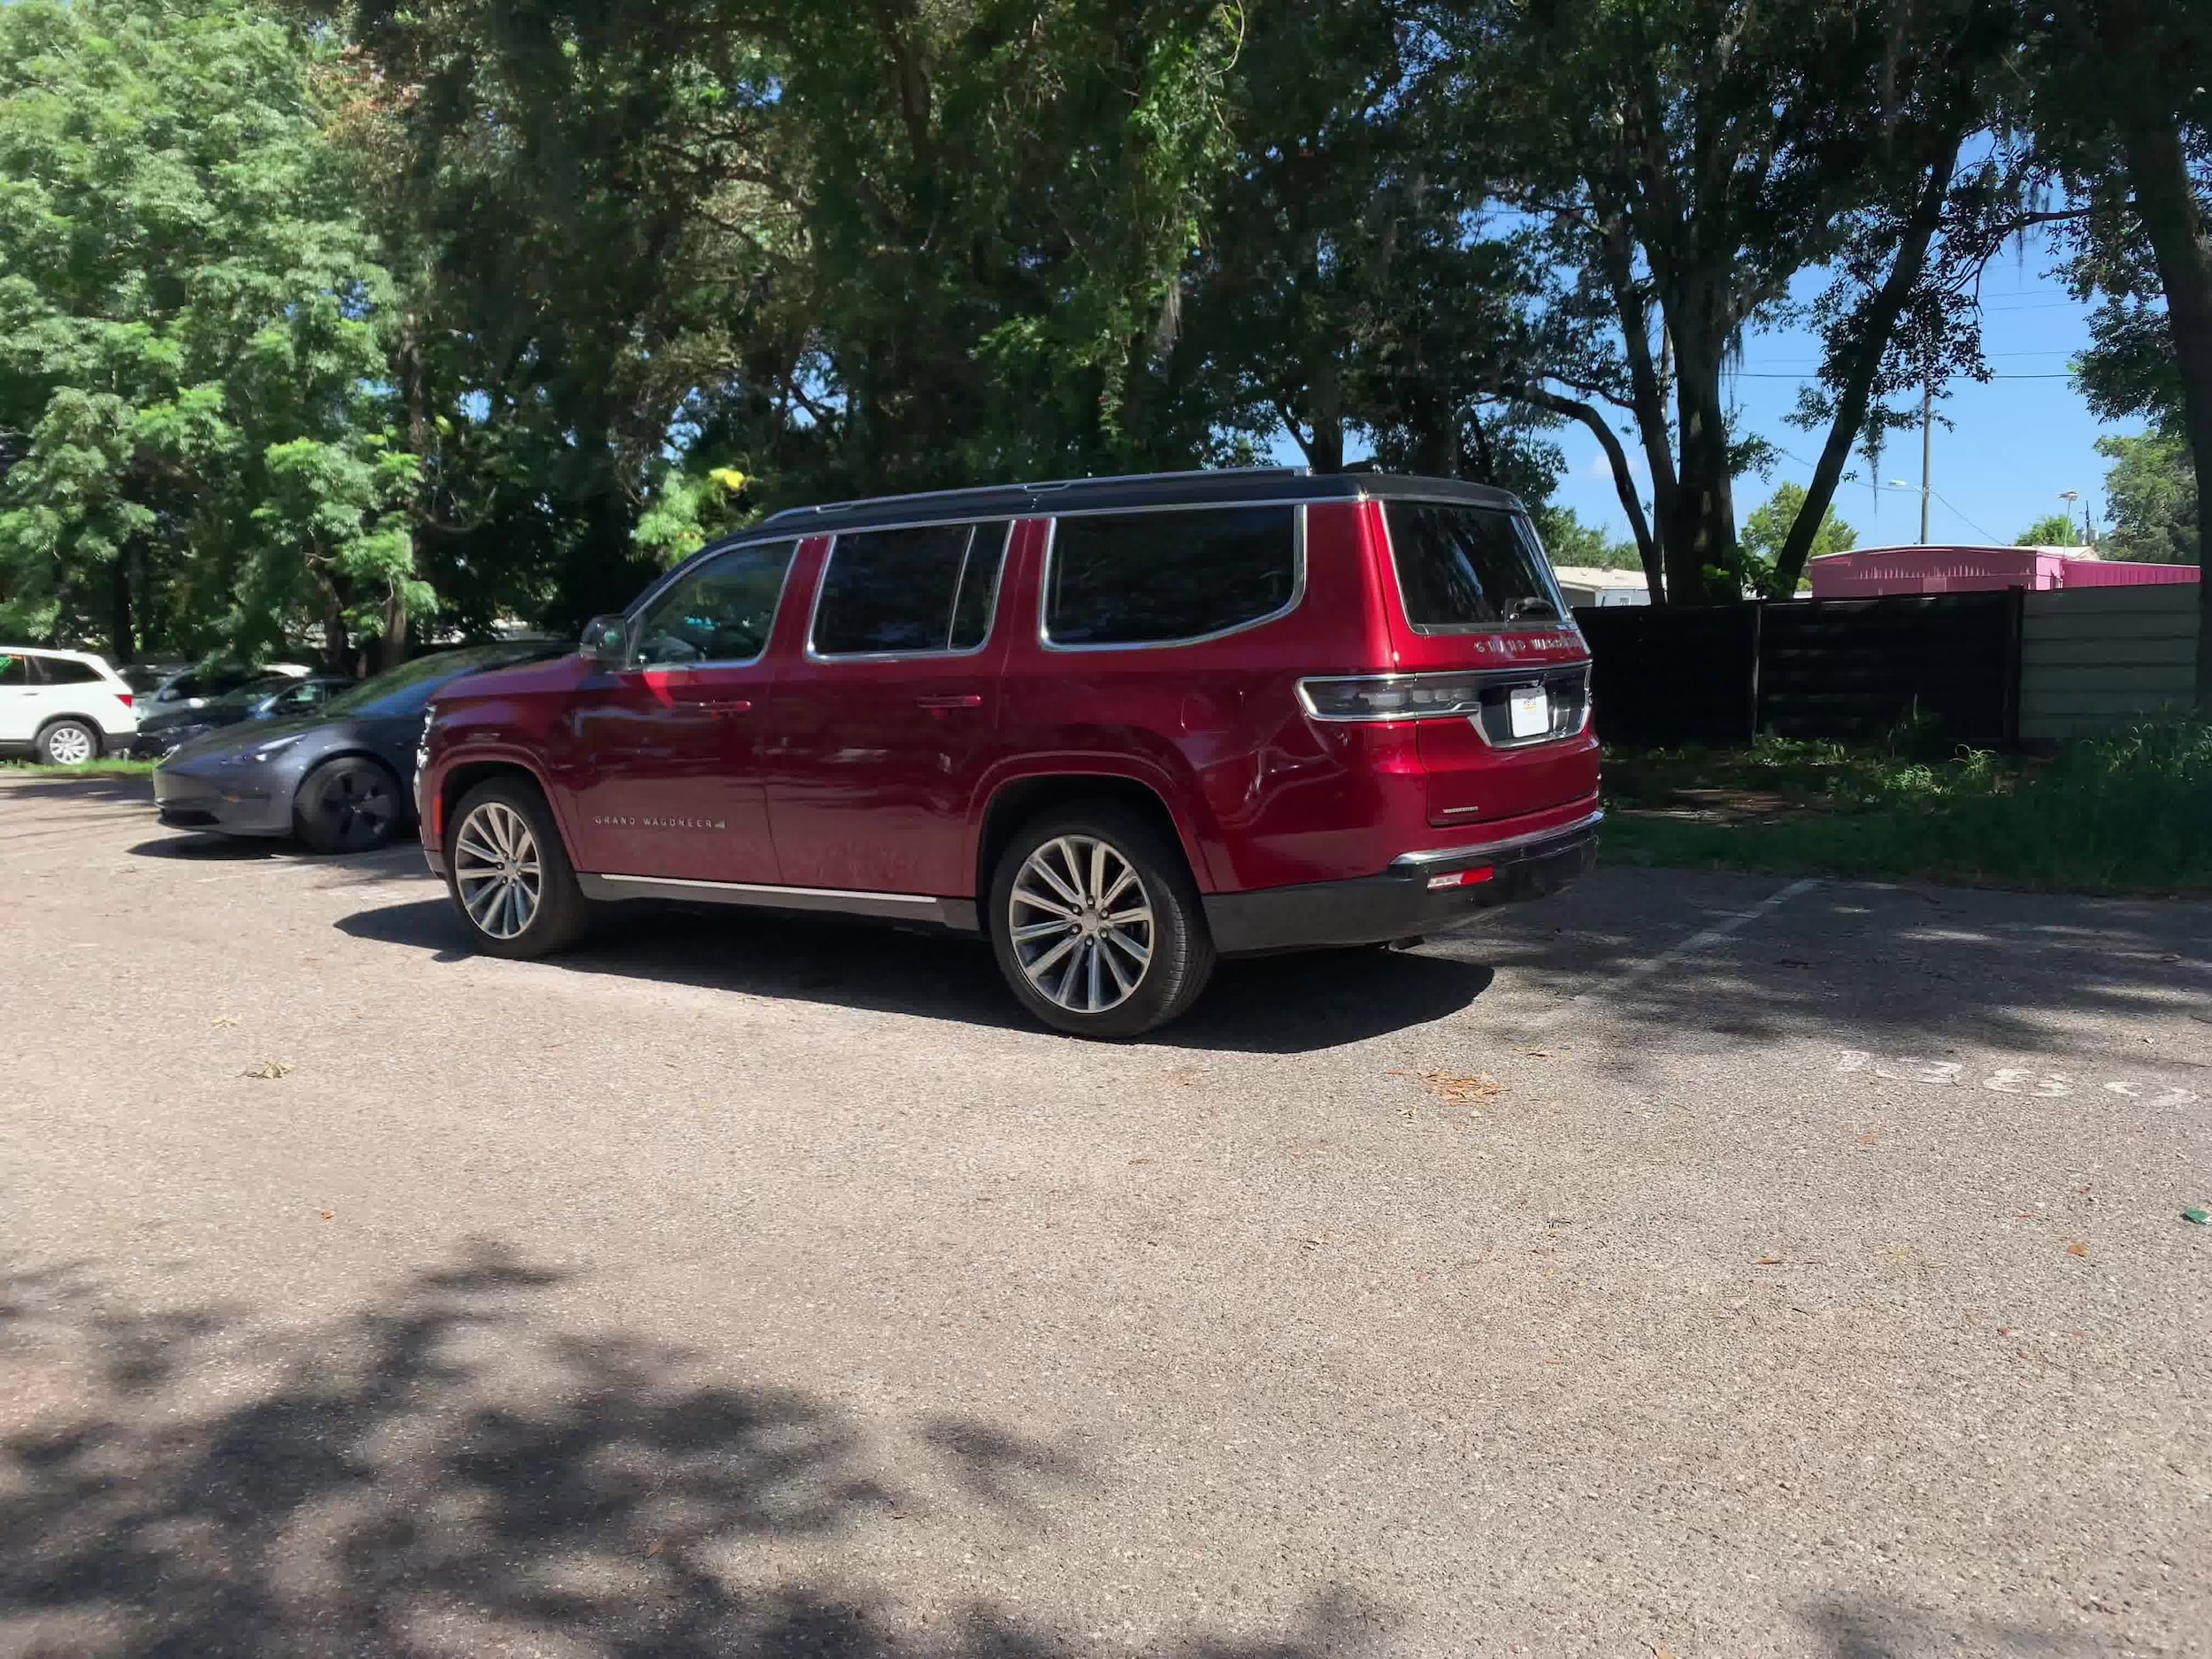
1118,727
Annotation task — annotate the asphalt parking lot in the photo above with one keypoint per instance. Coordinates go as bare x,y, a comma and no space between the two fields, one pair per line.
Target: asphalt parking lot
1690,1265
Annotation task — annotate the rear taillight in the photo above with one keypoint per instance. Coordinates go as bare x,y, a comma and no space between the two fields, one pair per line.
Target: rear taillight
1391,696
123,697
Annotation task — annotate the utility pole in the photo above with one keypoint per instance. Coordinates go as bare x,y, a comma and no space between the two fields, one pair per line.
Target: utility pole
1927,454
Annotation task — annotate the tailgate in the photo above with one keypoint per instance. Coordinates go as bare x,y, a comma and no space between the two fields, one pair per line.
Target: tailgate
1502,763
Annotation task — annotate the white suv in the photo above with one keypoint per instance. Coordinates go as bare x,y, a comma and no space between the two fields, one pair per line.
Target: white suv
65,708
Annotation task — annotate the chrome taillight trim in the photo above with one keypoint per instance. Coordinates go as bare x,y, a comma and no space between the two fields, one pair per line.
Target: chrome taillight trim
1532,674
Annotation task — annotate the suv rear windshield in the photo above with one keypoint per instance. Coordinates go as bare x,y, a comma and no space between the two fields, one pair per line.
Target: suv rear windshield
1468,567
1158,578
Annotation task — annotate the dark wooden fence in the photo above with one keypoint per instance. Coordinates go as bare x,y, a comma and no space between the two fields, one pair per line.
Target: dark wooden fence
1848,669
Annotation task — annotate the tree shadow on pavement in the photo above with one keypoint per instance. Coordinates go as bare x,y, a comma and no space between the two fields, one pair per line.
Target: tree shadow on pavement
1869,1627
132,788
448,1471
1269,1005
1891,968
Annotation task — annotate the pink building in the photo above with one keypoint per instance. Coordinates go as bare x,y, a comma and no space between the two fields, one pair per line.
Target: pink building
1869,572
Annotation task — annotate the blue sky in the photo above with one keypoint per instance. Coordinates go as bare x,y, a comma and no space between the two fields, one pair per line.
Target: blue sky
2013,444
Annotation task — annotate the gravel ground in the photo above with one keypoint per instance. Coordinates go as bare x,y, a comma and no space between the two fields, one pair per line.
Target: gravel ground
1689,1265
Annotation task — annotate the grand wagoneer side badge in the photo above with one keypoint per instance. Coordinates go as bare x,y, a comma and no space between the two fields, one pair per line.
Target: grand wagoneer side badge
664,823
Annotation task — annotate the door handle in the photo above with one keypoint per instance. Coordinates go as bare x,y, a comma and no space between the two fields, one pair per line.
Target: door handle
721,705
969,699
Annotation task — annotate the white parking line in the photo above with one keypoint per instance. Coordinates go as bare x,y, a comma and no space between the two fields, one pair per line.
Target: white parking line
1695,942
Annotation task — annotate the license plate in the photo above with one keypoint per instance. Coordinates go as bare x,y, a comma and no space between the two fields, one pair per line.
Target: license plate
1529,712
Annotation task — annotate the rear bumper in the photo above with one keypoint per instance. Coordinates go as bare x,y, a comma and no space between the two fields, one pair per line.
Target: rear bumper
185,800
1401,900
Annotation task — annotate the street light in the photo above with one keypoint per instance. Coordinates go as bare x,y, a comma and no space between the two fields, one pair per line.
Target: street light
2070,497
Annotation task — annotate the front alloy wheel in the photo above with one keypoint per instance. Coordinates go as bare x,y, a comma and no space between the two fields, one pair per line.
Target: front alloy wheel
1081,924
497,869
508,874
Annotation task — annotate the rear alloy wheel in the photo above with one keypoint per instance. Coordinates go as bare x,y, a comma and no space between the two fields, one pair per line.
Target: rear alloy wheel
347,805
69,743
509,875
1096,926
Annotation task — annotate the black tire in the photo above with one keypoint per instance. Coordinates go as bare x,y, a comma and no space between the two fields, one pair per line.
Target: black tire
560,915
69,742
1179,950
352,804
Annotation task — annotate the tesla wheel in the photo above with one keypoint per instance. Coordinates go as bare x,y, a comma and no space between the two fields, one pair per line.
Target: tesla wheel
508,874
68,743
1097,925
347,805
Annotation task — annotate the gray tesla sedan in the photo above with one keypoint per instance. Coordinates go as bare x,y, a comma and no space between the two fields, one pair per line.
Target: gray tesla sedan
342,780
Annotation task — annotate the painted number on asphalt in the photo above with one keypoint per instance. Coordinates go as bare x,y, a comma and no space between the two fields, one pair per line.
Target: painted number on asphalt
2004,1081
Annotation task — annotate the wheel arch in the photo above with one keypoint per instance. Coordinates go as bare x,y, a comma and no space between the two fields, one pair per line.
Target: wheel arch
1016,801
457,780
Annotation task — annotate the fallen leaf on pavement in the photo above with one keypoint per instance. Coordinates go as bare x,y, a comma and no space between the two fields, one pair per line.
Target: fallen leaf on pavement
654,1548
270,1070
1457,1091
224,1020
327,1215
2079,1247
1767,1261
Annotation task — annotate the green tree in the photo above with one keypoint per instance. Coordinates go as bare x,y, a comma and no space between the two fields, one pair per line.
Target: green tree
185,301
2119,100
1581,545
2151,500
1693,158
2052,529
1766,532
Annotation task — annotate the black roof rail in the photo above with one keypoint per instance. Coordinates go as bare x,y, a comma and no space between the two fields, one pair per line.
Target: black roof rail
1038,488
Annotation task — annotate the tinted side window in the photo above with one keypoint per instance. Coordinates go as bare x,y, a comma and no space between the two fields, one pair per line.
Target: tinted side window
722,613
1147,578
931,589
14,671
59,670
1467,566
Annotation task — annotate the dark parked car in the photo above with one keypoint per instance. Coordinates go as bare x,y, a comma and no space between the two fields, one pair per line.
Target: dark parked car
1118,726
341,778
270,697
195,687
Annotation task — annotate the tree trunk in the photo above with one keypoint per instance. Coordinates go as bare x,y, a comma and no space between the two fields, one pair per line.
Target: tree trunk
1700,540
337,654
122,636
1843,429
394,651
1623,481
2174,221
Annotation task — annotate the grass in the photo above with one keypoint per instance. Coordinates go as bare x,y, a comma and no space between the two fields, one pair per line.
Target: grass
2127,813
116,768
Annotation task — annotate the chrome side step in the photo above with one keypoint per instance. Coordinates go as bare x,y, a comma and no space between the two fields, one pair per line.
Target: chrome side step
956,915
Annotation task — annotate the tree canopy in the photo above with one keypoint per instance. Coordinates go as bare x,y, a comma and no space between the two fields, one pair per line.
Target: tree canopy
334,319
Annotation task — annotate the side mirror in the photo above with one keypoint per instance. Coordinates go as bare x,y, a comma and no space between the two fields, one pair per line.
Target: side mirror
607,641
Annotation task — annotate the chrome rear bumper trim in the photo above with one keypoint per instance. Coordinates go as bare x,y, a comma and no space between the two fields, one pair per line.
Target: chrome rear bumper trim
1492,850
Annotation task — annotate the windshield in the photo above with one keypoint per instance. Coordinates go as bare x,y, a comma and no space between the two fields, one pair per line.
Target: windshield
249,695
1469,567
408,689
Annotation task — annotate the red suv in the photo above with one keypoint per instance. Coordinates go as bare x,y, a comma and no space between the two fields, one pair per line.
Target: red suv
1119,726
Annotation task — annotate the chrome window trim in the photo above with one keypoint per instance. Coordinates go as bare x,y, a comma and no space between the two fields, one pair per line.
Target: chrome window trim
636,613
1447,630
1052,543
771,889
990,625
1489,849
1529,675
